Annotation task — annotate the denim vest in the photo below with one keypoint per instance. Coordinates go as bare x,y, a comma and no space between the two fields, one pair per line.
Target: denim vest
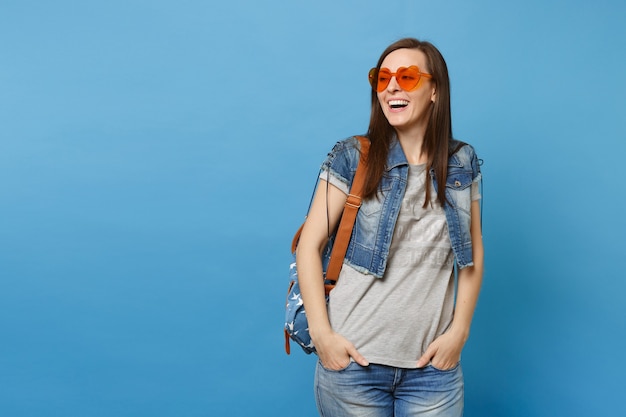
373,229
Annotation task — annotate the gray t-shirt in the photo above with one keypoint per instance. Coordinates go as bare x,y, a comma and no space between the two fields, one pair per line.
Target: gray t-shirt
392,320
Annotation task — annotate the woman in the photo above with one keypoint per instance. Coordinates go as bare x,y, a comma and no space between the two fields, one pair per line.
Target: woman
390,342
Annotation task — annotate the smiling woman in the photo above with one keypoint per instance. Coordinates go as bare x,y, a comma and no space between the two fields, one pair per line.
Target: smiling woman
392,315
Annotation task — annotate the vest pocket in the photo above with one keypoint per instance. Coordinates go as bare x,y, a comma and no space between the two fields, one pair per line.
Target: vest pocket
371,207
458,180
458,189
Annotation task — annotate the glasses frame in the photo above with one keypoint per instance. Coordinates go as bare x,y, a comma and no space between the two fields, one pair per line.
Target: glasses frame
380,87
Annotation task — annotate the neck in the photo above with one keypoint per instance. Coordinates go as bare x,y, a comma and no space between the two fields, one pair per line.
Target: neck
411,142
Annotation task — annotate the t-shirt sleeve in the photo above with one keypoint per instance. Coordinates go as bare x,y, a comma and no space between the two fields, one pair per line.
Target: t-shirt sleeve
331,179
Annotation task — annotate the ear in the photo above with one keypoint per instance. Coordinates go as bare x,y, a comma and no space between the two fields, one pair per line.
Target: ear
433,95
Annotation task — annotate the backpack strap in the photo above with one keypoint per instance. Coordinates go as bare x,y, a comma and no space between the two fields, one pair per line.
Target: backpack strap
350,210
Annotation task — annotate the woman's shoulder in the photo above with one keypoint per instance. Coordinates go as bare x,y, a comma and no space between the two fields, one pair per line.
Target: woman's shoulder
350,143
463,154
348,149
344,158
455,146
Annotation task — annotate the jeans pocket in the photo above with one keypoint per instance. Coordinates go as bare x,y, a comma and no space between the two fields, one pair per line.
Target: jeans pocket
319,362
454,368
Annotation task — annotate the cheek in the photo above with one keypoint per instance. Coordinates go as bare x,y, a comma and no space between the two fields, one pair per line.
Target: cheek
421,97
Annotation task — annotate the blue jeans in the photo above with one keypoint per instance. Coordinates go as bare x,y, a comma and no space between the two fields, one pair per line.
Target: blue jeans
385,391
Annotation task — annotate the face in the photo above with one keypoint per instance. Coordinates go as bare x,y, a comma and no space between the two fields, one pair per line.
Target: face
407,110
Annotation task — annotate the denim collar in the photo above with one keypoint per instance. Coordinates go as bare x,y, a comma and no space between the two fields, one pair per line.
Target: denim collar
396,155
397,158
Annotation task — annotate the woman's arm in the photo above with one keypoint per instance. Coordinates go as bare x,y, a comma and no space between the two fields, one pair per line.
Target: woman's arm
445,351
334,351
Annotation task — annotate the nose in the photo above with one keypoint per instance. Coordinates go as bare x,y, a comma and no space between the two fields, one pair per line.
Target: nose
393,84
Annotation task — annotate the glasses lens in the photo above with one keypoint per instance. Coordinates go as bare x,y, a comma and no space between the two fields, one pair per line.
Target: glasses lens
382,81
408,78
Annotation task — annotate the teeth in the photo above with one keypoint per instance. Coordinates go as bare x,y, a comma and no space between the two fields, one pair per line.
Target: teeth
398,103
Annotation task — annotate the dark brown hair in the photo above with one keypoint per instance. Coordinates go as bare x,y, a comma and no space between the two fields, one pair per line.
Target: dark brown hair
438,131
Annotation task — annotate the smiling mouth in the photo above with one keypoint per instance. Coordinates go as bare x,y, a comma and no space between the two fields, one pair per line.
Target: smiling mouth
398,104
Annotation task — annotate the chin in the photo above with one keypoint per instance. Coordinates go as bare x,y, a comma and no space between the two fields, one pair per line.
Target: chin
397,123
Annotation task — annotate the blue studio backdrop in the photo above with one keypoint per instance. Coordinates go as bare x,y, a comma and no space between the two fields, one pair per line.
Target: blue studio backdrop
157,156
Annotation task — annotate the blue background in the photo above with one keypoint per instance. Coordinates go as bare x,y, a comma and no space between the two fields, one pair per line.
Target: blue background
157,156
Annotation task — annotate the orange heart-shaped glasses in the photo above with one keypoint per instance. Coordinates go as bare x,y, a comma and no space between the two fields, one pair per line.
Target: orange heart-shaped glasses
408,78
